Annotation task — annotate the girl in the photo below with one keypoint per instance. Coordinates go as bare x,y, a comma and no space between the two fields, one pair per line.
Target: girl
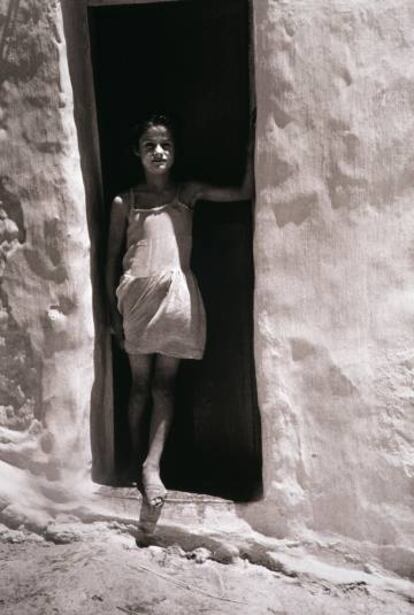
156,310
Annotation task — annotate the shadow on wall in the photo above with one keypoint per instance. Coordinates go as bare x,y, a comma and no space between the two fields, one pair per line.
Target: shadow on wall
9,27
22,48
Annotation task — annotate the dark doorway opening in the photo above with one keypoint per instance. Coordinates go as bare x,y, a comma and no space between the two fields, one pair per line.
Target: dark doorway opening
191,58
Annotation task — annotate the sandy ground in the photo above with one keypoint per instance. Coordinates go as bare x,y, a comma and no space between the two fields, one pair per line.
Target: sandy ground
101,571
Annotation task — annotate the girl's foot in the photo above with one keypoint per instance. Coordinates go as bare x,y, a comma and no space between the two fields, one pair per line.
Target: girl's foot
148,519
154,490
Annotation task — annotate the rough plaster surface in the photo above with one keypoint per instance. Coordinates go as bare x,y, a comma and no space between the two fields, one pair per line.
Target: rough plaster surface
334,283
46,333
334,265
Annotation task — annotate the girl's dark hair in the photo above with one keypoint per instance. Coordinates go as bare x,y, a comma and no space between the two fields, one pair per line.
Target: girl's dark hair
157,118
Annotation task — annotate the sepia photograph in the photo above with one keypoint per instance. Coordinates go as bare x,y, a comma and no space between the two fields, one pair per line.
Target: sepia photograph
206,307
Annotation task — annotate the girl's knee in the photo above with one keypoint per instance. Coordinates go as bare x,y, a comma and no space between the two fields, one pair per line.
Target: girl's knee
164,378
140,373
163,386
140,385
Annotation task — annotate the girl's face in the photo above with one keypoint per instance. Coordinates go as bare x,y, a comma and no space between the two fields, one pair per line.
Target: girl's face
156,150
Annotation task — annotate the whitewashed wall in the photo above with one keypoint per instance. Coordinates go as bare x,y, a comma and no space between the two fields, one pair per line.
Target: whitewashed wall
334,255
46,327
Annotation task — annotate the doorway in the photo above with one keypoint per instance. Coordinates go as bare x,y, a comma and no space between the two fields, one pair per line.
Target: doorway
190,57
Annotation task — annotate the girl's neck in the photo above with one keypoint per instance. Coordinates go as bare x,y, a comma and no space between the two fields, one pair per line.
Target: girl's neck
159,183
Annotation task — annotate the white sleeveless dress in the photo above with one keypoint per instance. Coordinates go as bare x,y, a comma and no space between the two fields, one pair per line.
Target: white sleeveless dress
158,295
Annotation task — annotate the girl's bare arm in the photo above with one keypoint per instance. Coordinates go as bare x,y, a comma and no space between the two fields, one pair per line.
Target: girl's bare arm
197,191
116,240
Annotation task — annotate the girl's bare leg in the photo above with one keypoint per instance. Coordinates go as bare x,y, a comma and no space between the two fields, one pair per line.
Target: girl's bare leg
141,367
163,384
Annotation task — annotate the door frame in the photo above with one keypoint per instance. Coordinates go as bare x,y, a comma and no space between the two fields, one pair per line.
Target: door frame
79,54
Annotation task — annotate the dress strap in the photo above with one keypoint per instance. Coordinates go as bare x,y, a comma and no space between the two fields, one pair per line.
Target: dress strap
175,200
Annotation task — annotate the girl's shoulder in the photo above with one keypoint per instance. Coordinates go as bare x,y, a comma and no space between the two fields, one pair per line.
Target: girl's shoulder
126,198
188,193
119,204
